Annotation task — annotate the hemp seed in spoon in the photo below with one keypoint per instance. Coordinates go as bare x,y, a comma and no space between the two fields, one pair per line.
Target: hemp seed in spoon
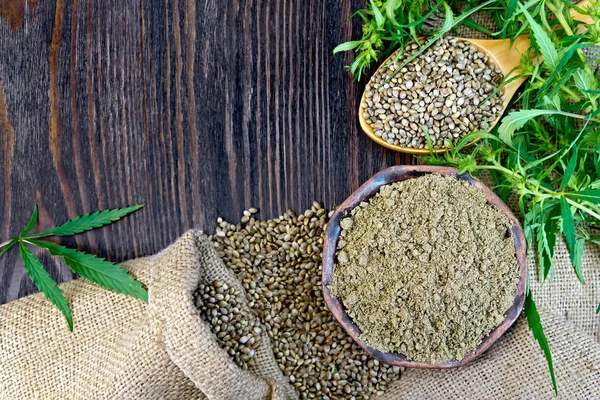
426,268
445,91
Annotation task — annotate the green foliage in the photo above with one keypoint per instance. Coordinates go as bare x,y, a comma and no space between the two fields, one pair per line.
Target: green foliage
568,228
45,283
88,222
6,246
544,43
97,270
31,223
516,119
547,226
591,195
569,171
90,267
391,24
535,324
584,80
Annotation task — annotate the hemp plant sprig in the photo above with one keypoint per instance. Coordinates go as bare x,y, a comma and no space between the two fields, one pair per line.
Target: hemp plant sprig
548,151
95,269
391,24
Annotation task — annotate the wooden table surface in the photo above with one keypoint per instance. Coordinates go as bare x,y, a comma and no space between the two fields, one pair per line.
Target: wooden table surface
199,109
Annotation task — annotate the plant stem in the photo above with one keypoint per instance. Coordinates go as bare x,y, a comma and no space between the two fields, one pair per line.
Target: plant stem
499,168
584,209
570,92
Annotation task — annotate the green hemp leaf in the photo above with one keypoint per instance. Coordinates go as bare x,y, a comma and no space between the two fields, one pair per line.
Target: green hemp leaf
535,324
95,269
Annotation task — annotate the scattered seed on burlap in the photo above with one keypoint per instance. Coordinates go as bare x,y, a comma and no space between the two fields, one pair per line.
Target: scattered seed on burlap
425,268
237,330
279,264
445,90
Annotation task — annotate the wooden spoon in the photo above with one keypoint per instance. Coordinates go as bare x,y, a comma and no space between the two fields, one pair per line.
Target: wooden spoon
502,53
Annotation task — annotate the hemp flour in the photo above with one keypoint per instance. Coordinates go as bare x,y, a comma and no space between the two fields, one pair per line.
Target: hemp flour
425,268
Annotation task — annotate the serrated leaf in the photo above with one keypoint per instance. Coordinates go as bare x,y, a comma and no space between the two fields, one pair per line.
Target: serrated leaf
88,222
569,171
31,223
578,254
510,9
347,46
568,228
8,246
565,57
448,19
97,270
45,283
515,120
547,48
589,195
535,325
546,238
379,20
583,79
390,10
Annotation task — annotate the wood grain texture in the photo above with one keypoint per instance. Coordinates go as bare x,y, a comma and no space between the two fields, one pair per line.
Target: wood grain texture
199,109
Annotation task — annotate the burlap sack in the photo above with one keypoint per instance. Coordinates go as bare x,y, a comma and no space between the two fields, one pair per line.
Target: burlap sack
124,349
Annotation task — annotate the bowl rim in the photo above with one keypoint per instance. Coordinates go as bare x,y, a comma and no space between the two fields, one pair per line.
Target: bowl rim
368,190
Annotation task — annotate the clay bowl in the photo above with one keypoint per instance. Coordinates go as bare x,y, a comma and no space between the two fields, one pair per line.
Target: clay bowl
369,189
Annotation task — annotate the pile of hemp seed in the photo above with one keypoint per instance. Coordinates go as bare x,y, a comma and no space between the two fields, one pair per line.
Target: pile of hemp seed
237,330
278,262
446,92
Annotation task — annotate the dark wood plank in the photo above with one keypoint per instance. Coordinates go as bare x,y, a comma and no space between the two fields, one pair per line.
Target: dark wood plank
198,109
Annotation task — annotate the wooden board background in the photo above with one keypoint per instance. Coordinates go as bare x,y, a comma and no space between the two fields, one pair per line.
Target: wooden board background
197,108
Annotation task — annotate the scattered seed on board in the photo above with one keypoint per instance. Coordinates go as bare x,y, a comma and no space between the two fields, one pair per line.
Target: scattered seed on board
278,262
443,92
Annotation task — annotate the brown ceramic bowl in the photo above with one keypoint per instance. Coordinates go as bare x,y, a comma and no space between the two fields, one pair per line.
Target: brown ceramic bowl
369,189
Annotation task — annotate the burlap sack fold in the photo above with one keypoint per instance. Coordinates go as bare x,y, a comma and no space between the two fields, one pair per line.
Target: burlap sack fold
124,349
